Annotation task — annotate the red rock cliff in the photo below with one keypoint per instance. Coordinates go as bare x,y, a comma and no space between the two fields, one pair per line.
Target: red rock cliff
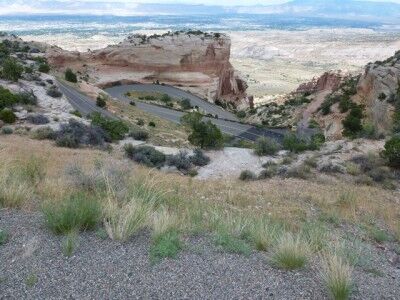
195,61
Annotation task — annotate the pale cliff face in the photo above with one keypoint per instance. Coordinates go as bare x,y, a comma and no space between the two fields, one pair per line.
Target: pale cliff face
198,62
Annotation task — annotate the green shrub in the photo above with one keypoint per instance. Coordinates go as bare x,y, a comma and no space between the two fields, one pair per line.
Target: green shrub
7,116
152,124
165,245
146,155
352,123
139,135
7,98
199,158
241,114
344,104
185,104
76,113
101,102
70,76
203,134
76,212
12,70
181,161
247,175
7,130
265,146
116,129
294,144
140,122
166,98
44,68
392,152
54,92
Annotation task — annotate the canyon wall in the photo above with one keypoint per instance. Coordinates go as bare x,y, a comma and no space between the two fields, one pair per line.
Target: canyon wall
195,61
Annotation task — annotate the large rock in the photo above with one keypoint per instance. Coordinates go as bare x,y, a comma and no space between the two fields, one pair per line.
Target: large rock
328,81
195,61
377,87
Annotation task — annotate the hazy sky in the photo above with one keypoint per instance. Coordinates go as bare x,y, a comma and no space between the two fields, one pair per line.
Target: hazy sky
113,6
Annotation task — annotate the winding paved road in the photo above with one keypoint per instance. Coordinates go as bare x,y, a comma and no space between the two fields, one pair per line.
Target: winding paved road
227,121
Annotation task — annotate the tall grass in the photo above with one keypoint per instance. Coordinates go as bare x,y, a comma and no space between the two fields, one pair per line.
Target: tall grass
290,252
76,212
125,217
14,190
337,276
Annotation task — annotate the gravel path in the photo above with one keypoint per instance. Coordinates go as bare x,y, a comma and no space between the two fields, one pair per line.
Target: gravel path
103,269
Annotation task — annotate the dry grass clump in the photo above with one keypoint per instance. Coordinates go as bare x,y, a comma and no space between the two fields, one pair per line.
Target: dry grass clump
164,220
16,187
337,276
290,252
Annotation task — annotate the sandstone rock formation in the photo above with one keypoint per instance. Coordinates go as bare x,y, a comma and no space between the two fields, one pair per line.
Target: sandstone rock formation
194,61
328,81
377,88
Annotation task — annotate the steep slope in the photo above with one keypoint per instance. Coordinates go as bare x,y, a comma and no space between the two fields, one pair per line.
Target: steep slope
195,61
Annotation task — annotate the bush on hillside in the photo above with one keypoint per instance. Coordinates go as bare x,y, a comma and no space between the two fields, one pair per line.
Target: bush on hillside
101,102
70,76
75,133
199,158
7,116
115,129
54,92
247,176
352,123
392,152
185,104
203,134
37,119
181,161
44,68
146,155
44,133
12,70
265,146
139,134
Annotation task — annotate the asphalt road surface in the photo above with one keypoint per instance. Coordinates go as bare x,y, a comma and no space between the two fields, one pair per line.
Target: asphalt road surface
227,121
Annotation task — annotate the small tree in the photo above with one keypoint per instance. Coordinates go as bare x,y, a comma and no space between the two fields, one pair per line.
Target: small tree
12,70
44,68
392,152
101,102
203,134
265,146
7,116
70,76
352,124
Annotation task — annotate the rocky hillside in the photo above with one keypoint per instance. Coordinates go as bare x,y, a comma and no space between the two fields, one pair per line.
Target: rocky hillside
196,61
363,105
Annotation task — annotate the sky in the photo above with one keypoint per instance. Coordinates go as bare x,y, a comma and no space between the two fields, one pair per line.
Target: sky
114,6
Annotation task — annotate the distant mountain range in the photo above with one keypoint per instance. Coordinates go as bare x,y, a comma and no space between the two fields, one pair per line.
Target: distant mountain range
342,9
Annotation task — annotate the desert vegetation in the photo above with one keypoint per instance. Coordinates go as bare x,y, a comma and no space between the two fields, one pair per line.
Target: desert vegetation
125,201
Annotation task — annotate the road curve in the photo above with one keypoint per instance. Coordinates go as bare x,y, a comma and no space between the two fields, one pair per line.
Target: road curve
228,125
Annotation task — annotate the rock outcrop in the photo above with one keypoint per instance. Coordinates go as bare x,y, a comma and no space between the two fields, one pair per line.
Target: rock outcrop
377,89
328,81
194,61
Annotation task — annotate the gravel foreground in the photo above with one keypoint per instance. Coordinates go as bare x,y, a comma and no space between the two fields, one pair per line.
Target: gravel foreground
32,266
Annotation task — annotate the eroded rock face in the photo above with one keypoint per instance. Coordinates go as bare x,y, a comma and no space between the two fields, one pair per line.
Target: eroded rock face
195,61
328,81
377,89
